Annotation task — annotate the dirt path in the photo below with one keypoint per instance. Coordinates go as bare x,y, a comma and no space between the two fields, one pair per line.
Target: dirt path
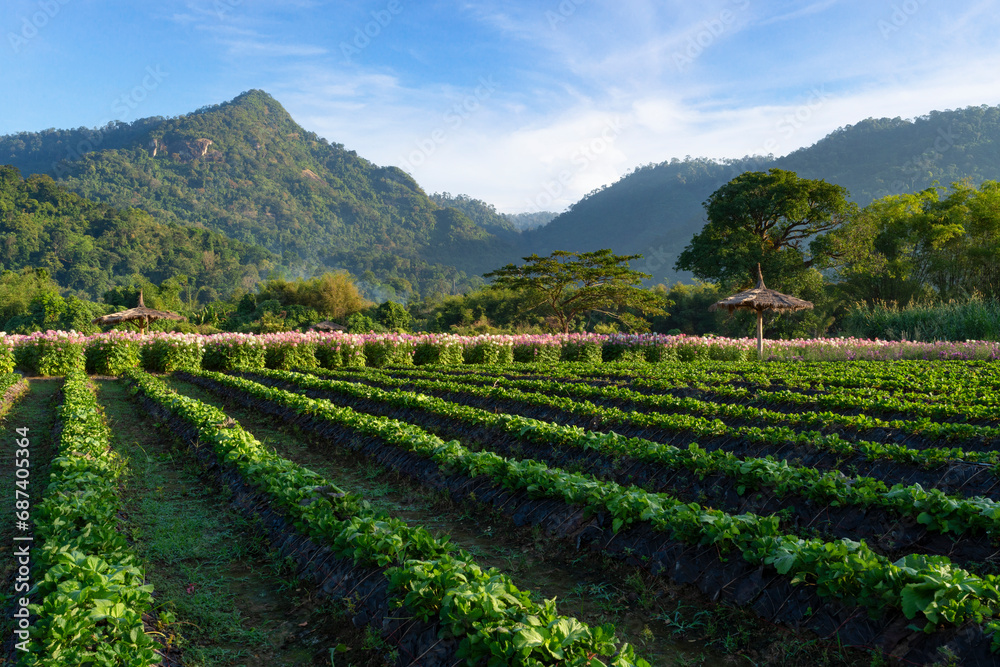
235,602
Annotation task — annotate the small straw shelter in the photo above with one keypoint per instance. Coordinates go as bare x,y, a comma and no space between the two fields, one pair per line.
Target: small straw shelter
328,326
139,314
760,299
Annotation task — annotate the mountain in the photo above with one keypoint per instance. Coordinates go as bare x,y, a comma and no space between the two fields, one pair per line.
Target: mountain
245,169
657,208
486,216
90,247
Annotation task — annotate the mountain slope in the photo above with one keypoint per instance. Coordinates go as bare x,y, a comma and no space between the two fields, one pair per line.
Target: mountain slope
246,169
656,209
89,247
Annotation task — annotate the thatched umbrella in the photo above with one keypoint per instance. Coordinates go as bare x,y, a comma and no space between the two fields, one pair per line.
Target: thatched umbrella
139,314
328,326
760,299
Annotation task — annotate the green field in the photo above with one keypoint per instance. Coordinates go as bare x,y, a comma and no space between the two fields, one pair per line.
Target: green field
679,513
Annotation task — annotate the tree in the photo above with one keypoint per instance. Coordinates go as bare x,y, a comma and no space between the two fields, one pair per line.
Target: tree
573,283
767,218
921,246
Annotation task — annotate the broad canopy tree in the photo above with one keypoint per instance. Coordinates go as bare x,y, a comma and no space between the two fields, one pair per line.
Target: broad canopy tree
774,218
923,245
573,283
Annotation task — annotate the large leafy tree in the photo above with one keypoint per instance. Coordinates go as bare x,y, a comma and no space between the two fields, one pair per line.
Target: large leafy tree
571,284
923,245
774,218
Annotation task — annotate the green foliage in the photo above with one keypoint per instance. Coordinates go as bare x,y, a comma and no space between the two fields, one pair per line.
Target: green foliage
572,284
331,296
7,362
584,351
90,248
113,354
923,246
971,319
489,352
337,352
765,218
439,352
360,323
537,352
394,317
486,310
91,590
388,352
288,355
231,352
166,354
51,354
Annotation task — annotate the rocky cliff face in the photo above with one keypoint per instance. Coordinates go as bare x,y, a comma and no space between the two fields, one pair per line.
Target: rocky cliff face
184,150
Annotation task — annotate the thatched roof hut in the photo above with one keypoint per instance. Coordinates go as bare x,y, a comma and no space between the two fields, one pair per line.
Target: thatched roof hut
759,299
139,314
328,326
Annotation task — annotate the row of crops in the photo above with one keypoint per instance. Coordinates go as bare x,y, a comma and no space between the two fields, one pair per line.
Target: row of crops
854,502
54,353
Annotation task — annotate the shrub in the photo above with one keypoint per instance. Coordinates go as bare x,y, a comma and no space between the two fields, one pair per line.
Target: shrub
233,352
440,349
289,351
166,353
113,353
388,350
489,352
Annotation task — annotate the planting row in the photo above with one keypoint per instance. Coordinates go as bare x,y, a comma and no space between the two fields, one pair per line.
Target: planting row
480,615
923,430
926,589
91,587
656,466
966,472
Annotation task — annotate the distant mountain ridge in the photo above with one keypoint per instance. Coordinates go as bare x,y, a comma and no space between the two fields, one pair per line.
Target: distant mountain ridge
657,208
245,169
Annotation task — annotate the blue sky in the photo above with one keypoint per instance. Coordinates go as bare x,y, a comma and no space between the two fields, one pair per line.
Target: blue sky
526,105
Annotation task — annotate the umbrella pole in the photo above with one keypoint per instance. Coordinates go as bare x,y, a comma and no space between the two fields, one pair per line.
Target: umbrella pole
760,334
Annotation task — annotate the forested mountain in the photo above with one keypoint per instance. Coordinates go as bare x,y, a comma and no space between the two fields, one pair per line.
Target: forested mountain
246,169
656,209
90,247
486,215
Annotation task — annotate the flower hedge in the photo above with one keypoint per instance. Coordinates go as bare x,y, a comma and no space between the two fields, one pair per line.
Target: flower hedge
57,352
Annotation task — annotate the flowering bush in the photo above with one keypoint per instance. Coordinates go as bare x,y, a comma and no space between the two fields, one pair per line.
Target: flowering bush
6,354
489,350
114,353
233,352
438,349
337,350
169,352
51,352
290,350
583,347
388,350
537,349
